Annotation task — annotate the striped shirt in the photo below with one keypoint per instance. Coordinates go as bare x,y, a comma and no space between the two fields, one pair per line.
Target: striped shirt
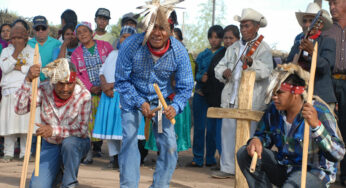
325,148
136,72
72,122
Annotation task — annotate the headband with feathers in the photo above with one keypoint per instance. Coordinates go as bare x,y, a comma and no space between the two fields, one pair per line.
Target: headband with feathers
157,13
279,75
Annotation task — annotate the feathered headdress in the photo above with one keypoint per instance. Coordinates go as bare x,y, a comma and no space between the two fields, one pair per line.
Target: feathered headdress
157,13
59,71
279,75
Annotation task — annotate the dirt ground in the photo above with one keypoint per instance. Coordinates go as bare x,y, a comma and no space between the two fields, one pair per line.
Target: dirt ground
96,176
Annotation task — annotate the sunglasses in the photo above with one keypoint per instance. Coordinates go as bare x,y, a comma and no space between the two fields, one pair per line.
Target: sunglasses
42,28
307,20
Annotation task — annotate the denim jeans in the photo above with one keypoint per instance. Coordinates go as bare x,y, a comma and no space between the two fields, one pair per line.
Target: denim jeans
129,157
201,122
269,171
69,154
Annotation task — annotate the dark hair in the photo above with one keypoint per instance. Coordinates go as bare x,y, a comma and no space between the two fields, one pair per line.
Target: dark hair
217,29
3,25
65,28
294,80
179,33
174,19
234,29
23,22
69,16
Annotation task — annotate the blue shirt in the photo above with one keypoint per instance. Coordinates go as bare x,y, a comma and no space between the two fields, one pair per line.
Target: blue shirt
136,72
56,53
203,61
325,148
46,51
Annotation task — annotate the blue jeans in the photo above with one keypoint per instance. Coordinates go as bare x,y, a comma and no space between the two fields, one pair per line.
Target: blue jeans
269,171
69,154
129,157
201,122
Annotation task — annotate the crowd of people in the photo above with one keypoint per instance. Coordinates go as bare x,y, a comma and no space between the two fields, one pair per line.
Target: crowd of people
94,87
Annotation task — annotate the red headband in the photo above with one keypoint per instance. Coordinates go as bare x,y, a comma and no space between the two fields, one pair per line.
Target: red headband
170,21
292,89
72,76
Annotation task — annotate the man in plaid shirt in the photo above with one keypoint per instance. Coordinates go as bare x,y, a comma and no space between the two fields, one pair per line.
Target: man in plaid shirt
282,126
65,110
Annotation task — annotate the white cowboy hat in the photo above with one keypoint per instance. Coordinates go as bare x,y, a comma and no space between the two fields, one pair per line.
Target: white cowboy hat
312,10
251,14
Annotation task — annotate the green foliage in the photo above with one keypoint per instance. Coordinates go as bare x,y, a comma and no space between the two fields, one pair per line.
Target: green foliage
195,35
116,28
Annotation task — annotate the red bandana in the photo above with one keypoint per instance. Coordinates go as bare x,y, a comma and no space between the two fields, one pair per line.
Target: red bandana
161,52
315,36
60,102
292,89
72,76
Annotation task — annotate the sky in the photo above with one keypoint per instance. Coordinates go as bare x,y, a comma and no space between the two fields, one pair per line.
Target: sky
280,14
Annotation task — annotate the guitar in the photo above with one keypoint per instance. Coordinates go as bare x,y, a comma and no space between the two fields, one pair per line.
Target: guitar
315,23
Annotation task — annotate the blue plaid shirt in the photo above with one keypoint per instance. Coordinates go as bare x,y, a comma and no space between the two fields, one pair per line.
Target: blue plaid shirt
93,65
136,72
325,148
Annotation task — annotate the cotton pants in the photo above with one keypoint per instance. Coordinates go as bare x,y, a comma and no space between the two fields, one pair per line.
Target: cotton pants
67,154
129,157
200,138
340,93
9,144
269,171
113,147
228,135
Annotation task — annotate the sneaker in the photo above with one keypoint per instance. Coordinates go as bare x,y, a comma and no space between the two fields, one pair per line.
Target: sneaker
221,175
6,159
194,164
88,161
215,168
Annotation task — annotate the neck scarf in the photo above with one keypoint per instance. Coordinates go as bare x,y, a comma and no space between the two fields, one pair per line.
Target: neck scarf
60,102
161,52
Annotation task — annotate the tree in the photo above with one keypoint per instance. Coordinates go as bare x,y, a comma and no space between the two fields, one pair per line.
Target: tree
195,35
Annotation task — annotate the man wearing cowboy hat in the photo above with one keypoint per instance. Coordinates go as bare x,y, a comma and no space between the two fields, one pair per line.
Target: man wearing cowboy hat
282,125
229,71
326,51
338,32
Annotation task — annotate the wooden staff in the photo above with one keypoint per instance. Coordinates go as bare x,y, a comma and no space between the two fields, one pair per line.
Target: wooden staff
253,162
31,124
38,154
147,123
307,126
162,100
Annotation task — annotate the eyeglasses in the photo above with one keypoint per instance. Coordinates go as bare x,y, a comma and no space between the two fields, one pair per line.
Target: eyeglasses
307,20
38,28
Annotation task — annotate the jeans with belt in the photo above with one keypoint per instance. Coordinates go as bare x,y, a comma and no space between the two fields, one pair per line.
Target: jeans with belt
129,157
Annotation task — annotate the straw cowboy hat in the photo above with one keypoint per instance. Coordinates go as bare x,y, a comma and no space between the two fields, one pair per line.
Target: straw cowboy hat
251,14
312,10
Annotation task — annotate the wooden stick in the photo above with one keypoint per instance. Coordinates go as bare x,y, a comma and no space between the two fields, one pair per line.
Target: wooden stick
253,162
162,100
31,124
38,154
147,123
307,126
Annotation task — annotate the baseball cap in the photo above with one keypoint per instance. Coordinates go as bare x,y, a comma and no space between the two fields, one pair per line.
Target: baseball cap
129,16
103,12
40,21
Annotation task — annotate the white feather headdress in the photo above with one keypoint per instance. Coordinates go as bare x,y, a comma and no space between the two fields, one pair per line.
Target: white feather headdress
157,13
279,75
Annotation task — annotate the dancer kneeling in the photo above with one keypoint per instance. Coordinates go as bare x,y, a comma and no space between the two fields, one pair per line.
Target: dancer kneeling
65,110
282,125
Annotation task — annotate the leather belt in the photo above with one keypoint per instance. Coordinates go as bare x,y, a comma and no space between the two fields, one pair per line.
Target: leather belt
339,76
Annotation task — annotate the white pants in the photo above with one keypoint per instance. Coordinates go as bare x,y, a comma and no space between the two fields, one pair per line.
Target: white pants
228,135
9,144
113,147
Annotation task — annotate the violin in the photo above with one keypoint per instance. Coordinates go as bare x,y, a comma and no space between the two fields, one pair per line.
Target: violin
252,50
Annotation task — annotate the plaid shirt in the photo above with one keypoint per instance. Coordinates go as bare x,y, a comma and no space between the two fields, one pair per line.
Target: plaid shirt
73,122
136,72
325,148
93,63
